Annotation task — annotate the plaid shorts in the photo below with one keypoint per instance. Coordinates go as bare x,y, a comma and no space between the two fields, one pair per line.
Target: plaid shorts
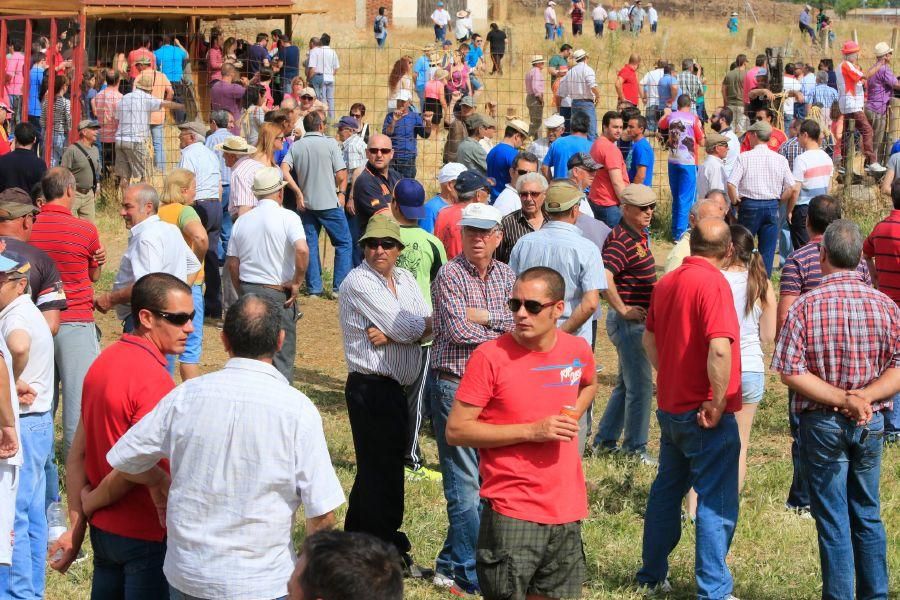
516,558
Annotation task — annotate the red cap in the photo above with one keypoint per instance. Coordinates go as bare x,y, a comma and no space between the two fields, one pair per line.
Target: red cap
850,47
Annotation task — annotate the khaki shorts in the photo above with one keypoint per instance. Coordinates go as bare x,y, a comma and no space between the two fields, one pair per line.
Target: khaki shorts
132,161
517,558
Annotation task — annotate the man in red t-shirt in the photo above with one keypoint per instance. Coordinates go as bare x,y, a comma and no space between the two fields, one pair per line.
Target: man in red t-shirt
692,337
128,534
471,186
610,181
627,84
519,403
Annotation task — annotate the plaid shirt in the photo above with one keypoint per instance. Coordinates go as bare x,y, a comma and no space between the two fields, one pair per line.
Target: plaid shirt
456,288
790,150
690,84
843,332
760,174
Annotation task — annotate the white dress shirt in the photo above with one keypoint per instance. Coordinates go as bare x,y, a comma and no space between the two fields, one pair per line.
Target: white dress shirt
22,314
245,450
153,247
734,149
133,113
711,176
204,164
263,240
599,13
508,201
366,300
760,174
212,140
578,82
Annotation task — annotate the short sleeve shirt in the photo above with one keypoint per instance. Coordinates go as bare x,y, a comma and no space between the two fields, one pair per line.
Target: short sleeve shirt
315,159
607,154
170,60
641,155
627,255
734,87
373,193
22,314
47,289
629,84
423,255
537,482
562,150
883,244
446,228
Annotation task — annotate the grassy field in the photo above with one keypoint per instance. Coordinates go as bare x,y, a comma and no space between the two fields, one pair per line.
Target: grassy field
774,555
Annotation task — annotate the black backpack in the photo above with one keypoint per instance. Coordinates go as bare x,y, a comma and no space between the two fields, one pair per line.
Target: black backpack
377,25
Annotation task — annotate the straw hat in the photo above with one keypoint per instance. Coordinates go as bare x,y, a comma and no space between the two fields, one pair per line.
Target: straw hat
234,144
579,54
462,14
267,181
537,58
881,49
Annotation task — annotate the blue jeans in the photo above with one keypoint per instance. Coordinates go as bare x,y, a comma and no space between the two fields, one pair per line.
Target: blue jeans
461,484
549,31
761,218
707,460
317,82
843,471
380,41
440,33
628,408
25,578
611,215
798,495
159,149
225,233
405,165
785,245
892,417
355,233
683,184
587,107
60,142
127,568
335,224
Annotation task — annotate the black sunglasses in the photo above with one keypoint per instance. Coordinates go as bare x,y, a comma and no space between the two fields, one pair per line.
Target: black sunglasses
532,307
387,244
648,207
177,319
380,150
522,171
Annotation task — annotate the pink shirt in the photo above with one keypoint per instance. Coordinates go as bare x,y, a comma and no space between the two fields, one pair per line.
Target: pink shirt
750,83
434,89
15,69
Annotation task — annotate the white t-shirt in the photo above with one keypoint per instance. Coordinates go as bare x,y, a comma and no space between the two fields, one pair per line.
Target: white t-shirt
324,60
791,84
263,240
22,314
650,83
652,15
751,346
15,459
440,17
599,13
463,27
813,170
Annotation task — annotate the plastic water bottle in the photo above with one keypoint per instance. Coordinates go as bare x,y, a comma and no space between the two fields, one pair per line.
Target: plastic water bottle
56,525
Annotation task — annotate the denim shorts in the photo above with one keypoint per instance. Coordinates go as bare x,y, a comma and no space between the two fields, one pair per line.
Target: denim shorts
752,387
476,84
192,349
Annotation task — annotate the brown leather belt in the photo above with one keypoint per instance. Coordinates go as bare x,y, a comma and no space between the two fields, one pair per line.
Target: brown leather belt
448,377
277,288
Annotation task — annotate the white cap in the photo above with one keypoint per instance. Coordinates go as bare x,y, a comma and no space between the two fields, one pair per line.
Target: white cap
404,95
450,172
480,216
554,121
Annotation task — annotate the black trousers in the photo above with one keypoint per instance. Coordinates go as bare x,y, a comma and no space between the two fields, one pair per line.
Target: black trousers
212,221
379,420
416,403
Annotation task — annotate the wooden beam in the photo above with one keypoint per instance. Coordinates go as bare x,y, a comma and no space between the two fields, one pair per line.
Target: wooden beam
261,12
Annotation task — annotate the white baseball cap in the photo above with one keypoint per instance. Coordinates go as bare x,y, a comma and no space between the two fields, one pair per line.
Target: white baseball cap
554,121
404,95
450,172
480,216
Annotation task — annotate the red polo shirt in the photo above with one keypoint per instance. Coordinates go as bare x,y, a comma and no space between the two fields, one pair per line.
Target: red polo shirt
689,307
113,399
628,73
883,245
71,243
607,154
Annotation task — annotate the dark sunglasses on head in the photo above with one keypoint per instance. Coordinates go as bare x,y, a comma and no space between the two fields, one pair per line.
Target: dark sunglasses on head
177,319
532,307
387,244
380,150
529,194
648,207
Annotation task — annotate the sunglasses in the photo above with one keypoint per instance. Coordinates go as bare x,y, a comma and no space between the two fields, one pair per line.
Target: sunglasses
648,207
523,172
529,194
177,319
307,98
356,116
532,307
279,137
373,243
380,150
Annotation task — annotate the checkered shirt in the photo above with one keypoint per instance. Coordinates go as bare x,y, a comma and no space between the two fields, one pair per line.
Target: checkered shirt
790,150
456,288
760,174
843,332
690,84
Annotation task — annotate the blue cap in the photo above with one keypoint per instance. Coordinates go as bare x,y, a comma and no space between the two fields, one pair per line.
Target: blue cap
440,3
348,123
410,197
762,73
471,180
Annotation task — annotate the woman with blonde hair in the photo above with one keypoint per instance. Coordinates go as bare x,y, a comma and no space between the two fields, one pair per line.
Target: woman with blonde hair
177,207
271,140
297,86
400,79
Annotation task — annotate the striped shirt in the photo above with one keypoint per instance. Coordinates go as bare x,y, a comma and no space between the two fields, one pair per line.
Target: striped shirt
366,301
105,105
457,288
62,114
843,332
690,84
242,184
627,256
802,271
883,244
760,174
71,243
513,226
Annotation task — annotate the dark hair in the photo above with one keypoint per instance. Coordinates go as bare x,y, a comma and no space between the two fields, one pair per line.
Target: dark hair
252,325
112,77
36,192
769,113
151,291
342,565
683,101
325,39
714,246
895,192
261,36
565,47
628,113
823,211
360,106
760,60
279,116
553,281
667,69
511,131
251,96
790,69
55,182
494,26
811,128
580,122
381,10
59,83
18,45
740,60
609,116
312,121
528,157
757,278
726,114
25,134
145,40
641,121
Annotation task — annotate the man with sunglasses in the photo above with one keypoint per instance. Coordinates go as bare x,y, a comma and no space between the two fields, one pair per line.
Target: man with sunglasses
384,319
30,344
508,201
630,277
560,245
373,185
126,532
516,404
470,295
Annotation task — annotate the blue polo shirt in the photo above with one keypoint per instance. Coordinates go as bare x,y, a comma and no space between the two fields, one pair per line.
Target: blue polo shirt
499,161
404,136
35,79
474,56
421,68
170,60
641,154
562,150
432,208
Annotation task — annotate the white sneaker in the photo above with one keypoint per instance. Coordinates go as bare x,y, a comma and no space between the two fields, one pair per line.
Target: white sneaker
876,168
731,597
664,587
442,580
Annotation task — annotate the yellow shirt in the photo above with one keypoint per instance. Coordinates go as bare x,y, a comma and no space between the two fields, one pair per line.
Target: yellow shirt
180,215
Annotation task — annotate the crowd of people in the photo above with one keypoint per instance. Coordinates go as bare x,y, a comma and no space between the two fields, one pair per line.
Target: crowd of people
476,310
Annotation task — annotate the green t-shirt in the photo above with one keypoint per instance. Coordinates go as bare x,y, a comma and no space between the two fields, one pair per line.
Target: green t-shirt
423,255
734,87
557,61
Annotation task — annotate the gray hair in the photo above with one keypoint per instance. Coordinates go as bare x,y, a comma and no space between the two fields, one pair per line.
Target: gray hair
467,195
843,241
821,77
762,136
699,204
220,118
532,178
55,182
145,193
288,102
686,64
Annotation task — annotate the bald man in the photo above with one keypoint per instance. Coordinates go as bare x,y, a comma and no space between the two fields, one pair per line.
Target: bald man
714,206
372,187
